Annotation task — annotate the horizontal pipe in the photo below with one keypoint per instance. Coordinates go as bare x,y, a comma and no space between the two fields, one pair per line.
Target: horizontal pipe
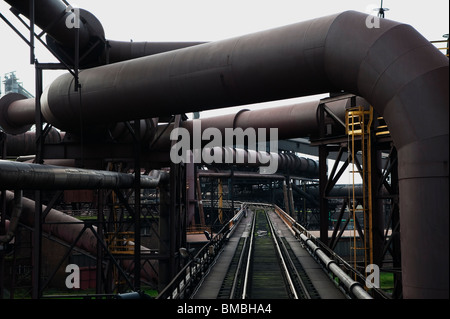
119,51
25,143
290,121
284,162
239,175
16,113
16,175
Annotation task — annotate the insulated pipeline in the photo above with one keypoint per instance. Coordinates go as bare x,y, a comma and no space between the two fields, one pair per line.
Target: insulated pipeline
16,175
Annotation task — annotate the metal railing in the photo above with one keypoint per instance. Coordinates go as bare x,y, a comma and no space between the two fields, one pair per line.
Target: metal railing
337,268
184,283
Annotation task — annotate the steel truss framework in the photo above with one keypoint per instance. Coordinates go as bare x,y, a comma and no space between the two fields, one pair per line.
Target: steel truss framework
117,270
384,184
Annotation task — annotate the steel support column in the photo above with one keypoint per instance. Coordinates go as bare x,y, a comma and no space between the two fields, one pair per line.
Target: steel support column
323,178
137,205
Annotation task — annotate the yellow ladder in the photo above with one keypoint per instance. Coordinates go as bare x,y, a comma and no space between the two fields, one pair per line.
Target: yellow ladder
358,129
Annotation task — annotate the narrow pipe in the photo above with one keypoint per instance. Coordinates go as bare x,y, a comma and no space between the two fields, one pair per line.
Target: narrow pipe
352,286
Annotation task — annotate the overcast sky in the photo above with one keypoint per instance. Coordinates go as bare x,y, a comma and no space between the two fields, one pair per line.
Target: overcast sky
209,20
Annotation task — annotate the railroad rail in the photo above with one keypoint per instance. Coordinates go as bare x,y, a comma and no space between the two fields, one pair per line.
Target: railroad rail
263,257
263,265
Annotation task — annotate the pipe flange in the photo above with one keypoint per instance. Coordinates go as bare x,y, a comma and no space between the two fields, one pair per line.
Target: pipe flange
5,124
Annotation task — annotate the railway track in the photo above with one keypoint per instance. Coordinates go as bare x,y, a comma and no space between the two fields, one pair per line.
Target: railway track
264,266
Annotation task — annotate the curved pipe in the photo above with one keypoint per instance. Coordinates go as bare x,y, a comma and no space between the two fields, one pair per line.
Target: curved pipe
16,175
51,16
393,67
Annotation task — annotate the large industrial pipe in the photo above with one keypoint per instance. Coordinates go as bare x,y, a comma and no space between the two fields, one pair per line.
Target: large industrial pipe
293,120
16,175
393,67
121,51
284,162
290,121
17,113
